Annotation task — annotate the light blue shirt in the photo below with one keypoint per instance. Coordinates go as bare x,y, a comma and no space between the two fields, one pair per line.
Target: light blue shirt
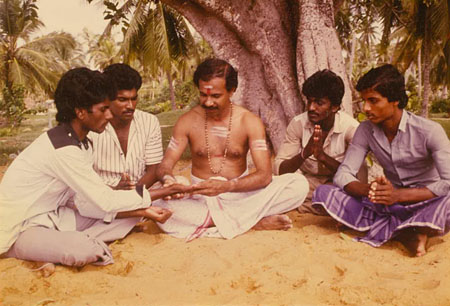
418,156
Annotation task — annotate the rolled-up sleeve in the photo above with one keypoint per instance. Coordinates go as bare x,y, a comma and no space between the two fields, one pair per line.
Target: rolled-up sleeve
439,146
354,157
291,144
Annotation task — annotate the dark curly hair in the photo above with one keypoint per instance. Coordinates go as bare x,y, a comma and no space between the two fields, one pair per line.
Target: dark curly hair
324,83
216,68
81,88
387,81
123,76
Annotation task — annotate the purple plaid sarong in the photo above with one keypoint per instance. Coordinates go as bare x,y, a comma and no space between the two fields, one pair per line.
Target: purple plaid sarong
382,222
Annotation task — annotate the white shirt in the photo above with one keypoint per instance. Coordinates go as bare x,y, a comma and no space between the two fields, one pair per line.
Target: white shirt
300,130
144,148
53,168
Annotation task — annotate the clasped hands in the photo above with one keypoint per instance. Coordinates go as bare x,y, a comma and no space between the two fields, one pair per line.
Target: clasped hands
382,191
315,144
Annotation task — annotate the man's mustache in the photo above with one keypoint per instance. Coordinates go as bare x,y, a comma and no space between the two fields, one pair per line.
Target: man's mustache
210,107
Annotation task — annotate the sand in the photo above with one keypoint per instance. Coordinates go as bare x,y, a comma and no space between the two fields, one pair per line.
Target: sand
314,263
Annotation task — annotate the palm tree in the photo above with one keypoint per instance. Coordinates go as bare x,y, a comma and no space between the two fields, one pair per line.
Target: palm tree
102,50
423,31
156,36
25,60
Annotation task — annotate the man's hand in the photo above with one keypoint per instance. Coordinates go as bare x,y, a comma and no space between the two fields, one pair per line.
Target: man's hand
382,191
211,187
179,190
318,139
125,183
315,144
168,180
157,214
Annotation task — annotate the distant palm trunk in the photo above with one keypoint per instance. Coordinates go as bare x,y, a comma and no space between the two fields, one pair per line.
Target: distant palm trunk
426,69
171,90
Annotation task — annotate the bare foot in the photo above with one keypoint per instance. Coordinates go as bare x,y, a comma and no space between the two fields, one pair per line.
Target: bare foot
415,243
45,268
275,222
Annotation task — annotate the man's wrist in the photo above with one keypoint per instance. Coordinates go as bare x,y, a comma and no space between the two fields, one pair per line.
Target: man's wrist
232,184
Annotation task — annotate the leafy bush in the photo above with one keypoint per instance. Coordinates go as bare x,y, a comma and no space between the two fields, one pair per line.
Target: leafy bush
440,106
414,104
12,107
185,94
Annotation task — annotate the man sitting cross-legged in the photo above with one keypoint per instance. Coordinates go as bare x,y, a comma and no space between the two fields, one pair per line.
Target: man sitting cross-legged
411,202
316,140
130,149
38,220
227,200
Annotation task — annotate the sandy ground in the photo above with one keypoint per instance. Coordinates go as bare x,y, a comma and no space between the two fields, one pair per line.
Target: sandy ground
314,263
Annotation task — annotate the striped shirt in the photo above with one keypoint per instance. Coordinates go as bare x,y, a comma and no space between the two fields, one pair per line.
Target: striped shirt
144,148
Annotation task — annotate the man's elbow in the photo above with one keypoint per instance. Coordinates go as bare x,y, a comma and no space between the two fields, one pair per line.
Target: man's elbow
267,179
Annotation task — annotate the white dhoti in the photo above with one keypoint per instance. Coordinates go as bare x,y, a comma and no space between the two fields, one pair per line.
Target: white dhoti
232,213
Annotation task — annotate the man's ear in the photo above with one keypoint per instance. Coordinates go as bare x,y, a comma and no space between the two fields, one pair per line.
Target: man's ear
81,113
335,108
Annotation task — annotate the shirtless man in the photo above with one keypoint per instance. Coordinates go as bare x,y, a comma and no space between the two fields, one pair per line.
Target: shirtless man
227,200
411,202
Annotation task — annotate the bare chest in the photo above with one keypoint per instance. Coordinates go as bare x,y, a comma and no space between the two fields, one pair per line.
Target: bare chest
217,141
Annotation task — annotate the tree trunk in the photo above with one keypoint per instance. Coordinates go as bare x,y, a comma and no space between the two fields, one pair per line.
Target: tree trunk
426,67
171,90
275,45
419,74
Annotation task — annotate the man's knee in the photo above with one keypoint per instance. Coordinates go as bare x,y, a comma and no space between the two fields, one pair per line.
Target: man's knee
67,248
299,183
81,250
321,192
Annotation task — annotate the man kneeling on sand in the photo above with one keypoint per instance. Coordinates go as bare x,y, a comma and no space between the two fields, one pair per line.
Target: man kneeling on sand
412,201
38,219
227,200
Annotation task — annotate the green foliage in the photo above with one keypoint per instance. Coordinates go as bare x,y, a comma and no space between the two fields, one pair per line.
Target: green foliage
414,104
167,120
157,108
12,106
440,106
36,62
14,140
185,94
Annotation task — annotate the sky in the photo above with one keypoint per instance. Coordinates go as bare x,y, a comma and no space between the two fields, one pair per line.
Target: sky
70,16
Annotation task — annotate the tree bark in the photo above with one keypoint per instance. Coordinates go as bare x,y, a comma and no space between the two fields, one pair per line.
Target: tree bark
426,67
274,45
171,90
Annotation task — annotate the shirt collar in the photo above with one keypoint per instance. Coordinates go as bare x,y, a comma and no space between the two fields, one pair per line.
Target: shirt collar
72,134
403,121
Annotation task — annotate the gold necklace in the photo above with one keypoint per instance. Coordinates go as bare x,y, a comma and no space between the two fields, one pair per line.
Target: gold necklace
226,142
